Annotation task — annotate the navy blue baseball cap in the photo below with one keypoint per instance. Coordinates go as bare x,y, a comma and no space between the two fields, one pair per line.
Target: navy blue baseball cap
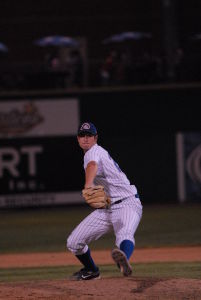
87,127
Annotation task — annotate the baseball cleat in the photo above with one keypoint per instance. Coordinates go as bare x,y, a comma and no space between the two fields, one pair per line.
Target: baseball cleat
84,274
122,262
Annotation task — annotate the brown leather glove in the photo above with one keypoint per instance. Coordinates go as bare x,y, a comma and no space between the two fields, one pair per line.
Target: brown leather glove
96,197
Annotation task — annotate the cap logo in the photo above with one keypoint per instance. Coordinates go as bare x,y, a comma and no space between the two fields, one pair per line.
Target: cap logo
85,126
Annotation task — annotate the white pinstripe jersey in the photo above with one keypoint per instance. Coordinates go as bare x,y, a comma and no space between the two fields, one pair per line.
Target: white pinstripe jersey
115,182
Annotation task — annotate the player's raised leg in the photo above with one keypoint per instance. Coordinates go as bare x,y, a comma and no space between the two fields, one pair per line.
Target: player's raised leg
128,220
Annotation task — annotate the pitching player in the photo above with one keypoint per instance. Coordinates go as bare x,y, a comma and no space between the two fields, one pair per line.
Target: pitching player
122,215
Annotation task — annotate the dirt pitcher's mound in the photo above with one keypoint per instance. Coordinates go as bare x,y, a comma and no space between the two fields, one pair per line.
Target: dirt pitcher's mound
106,288
101,257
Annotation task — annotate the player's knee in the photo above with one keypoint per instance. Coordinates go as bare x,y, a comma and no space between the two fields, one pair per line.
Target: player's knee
74,245
70,244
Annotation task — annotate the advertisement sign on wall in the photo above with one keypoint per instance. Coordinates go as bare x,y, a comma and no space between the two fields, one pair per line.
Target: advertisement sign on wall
58,117
37,150
189,166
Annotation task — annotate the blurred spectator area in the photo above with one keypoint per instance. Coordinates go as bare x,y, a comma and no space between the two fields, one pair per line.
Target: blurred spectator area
26,66
114,67
57,68
128,68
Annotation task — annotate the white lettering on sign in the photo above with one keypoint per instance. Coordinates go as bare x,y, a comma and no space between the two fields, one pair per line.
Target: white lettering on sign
10,159
31,153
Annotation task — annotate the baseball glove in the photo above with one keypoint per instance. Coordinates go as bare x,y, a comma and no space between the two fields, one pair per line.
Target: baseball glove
96,197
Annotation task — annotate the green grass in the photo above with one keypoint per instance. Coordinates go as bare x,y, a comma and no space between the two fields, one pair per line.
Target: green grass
170,225
151,270
46,229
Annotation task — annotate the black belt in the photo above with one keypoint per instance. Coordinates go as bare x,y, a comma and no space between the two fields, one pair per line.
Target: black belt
119,201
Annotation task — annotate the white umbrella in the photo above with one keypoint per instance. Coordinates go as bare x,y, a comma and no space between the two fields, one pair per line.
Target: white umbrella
57,41
3,47
126,36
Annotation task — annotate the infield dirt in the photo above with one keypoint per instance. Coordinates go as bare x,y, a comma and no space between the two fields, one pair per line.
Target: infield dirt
105,288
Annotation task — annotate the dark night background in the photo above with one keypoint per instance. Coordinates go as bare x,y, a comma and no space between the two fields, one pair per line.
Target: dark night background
138,119
21,22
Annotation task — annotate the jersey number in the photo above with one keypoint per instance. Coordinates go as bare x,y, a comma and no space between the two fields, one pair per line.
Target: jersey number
115,163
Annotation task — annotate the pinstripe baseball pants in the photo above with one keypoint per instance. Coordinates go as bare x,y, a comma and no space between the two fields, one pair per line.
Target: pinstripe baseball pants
122,218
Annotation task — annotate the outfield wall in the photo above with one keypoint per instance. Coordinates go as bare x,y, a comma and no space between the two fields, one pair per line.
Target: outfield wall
41,164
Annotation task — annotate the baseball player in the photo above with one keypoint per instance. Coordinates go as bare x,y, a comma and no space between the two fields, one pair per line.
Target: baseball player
121,211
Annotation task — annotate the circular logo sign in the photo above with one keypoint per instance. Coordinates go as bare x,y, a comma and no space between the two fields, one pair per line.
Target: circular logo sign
193,164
